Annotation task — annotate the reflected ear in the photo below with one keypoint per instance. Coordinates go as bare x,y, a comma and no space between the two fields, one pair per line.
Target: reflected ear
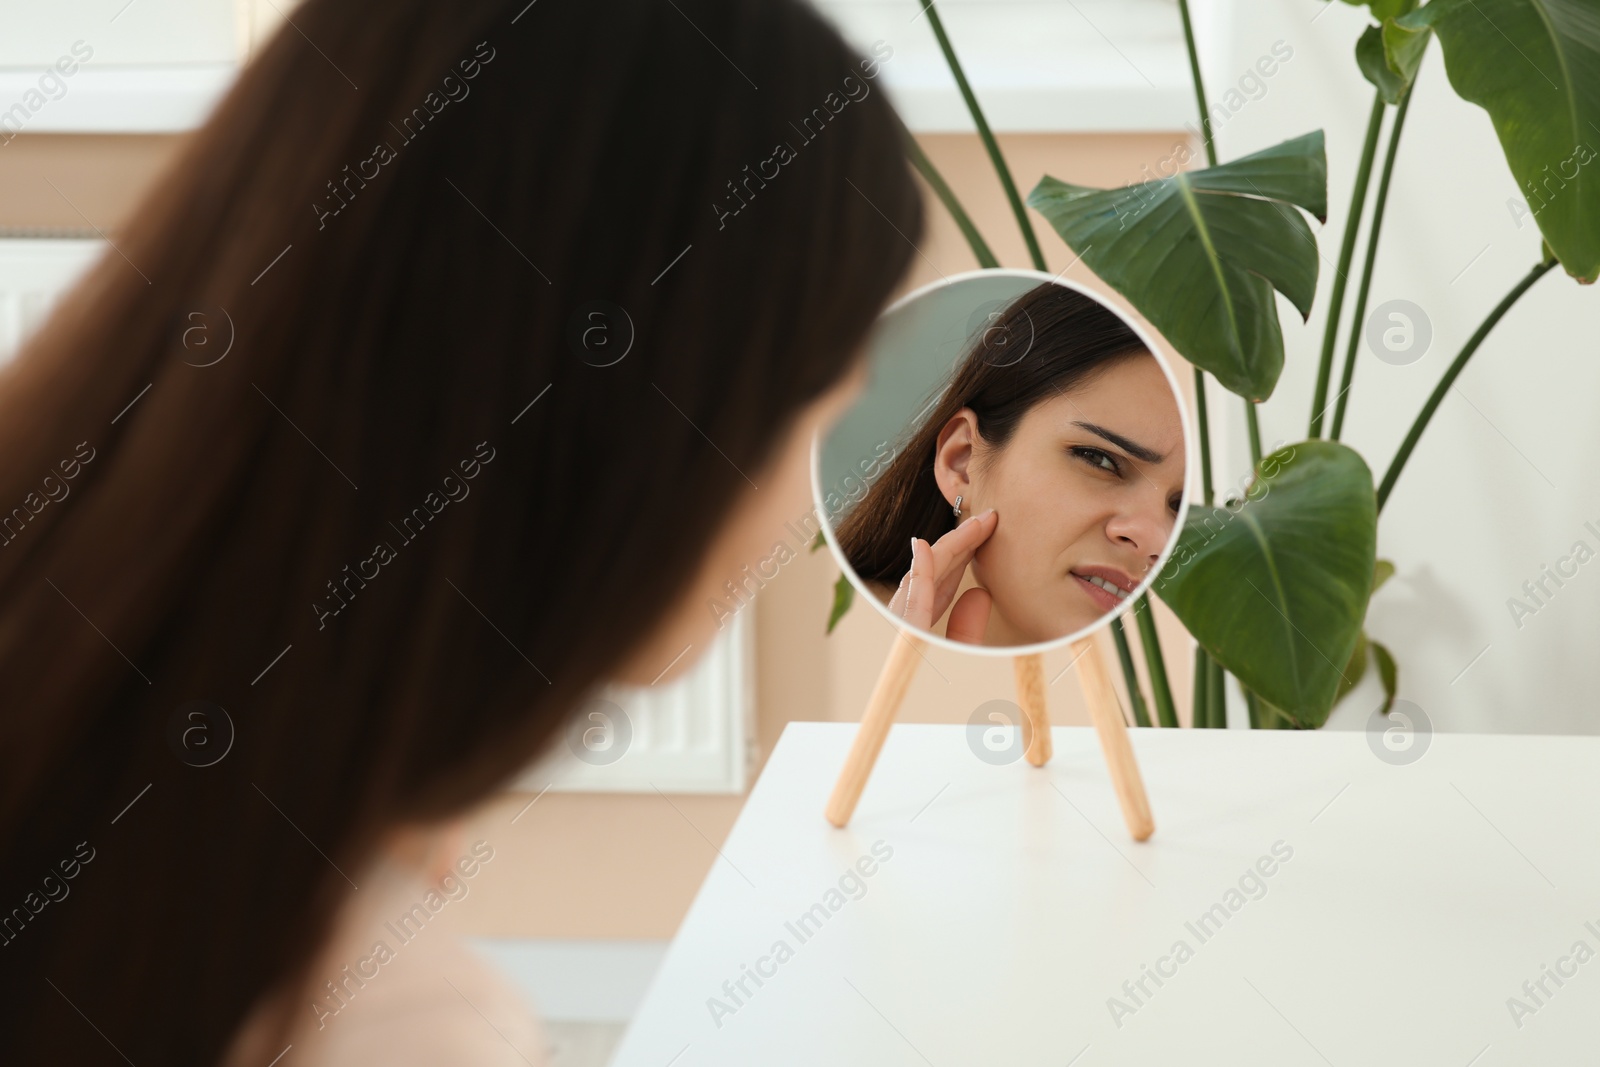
952,456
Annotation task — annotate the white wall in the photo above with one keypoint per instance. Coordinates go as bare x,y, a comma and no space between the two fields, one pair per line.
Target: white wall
120,32
138,66
1038,66
1503,481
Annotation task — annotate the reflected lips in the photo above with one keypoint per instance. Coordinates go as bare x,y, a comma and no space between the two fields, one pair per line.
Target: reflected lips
1095,580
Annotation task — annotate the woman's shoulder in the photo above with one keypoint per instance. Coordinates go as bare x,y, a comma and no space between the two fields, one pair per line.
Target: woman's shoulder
435,1002
441,1004
394,987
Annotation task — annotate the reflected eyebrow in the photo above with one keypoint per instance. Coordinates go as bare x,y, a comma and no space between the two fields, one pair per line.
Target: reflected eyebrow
1132,448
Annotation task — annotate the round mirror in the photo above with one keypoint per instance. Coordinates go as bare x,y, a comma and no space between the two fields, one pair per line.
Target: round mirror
1014,472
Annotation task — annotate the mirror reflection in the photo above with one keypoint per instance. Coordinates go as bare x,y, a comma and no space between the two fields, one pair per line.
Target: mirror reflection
1015,470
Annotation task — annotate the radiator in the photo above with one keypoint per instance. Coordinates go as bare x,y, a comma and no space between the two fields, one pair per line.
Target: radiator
694,735
33,272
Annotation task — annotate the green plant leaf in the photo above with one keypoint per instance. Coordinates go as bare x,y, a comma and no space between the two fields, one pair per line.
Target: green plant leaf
1385,9
1388,672
1200,253
1375,65
1354,671
818,541
1389,56
1404,47
1276,588
1534,65
844,594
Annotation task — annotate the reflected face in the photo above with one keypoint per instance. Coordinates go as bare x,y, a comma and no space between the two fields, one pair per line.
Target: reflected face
1087,491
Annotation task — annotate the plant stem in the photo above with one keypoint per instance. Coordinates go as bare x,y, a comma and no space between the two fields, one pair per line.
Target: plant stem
1205,433
1253,706
1254,424
1211,160
1352,226
925,167
1217,698
1455,368
1130,677
1199,85
1203,664
1360,309
1275,718
989,142
1202,686
1155,663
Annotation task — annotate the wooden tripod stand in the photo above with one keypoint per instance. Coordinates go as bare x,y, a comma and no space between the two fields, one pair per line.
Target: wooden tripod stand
895,679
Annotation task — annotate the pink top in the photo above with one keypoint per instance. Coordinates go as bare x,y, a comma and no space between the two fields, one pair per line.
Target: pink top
395,987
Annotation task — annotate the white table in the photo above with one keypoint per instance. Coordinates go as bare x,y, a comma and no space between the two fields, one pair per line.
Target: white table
1417,900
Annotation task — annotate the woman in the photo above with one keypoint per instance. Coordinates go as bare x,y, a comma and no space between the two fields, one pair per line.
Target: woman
1052,464
533,310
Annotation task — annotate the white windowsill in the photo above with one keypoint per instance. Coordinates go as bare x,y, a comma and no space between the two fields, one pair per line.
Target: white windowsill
154,99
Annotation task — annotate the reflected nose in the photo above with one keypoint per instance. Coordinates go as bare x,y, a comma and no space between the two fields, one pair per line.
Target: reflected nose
1141,531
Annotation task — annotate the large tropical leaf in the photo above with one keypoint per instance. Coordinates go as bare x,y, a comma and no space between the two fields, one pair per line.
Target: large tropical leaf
1276,586
1534,65
1200,253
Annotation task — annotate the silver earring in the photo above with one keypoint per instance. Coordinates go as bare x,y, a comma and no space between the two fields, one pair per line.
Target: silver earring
957,508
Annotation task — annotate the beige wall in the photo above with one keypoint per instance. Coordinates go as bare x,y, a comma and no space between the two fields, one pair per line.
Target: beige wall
67,185
627,866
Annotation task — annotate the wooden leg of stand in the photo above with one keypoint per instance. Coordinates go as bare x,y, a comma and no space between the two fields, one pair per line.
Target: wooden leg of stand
1030,695
1113,731
893,681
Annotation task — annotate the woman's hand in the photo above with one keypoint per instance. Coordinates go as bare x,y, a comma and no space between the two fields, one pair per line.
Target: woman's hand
936,570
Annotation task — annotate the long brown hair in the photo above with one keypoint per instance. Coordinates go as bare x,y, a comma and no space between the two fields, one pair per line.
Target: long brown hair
1048,341
493,275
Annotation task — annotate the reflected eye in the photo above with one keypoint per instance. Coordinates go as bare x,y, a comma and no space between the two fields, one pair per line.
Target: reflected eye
1098,459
